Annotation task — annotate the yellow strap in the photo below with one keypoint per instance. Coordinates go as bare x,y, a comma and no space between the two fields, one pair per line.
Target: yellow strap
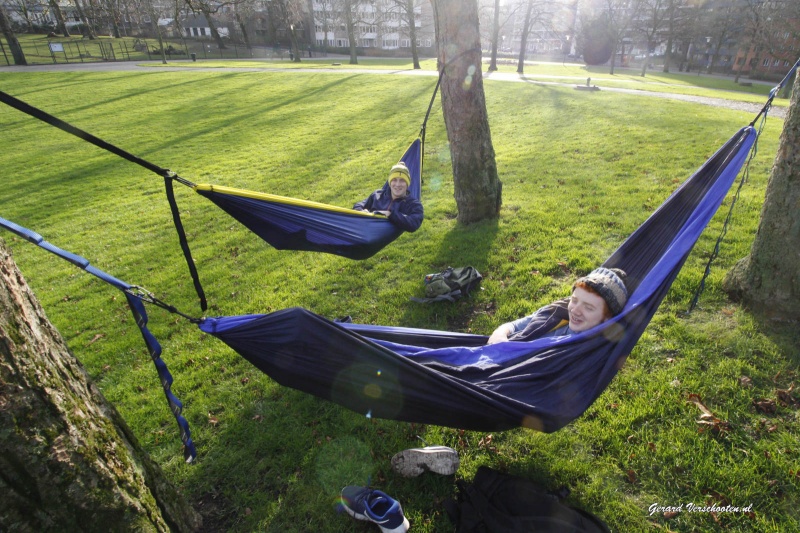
281,199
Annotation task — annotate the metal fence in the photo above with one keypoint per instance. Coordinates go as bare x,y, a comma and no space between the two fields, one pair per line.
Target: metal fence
44,50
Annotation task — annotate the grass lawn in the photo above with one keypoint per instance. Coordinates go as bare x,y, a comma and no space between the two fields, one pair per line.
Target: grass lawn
580,172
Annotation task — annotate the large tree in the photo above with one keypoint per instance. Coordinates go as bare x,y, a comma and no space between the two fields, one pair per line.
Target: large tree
477,187
68,462
768,280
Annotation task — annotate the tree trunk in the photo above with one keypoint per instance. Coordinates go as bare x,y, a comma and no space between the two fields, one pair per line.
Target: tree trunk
495,36
477,187
61,24
351,31
11,39
68,462
243,28
523,45
412,33
768,280
88,26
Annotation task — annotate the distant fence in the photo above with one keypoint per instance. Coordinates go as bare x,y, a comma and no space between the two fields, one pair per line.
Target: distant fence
40,50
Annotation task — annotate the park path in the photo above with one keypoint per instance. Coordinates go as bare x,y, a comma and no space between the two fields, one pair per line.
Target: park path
120,66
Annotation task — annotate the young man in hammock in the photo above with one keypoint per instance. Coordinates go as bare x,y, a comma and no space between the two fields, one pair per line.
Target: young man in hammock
595,298
393,200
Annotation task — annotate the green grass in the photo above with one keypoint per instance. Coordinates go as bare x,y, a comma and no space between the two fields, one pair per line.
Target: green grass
580,172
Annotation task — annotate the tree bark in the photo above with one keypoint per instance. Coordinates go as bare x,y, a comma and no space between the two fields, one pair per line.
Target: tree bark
68,462
477,187
768,280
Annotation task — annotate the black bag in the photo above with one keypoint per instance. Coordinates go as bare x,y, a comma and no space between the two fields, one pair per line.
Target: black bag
502,503
450,284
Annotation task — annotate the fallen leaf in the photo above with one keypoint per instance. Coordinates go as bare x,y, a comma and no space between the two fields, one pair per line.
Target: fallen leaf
765,406
213,420
745,381
95,338
695,399
785,396
631,476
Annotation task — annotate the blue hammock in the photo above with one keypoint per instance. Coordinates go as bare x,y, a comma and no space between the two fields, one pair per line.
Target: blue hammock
292,224
455,379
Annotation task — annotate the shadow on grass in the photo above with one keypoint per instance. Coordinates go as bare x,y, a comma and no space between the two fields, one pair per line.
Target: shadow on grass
464,245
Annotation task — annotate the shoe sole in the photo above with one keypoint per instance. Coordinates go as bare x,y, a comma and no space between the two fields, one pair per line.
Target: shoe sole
437,459
402,528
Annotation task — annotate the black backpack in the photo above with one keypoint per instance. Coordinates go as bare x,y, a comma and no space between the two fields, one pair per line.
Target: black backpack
502,503
449,284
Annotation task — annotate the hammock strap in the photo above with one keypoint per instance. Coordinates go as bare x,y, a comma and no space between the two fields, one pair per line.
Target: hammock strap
88,137
187,253
168,175
775,90
430,107
745,176
135,296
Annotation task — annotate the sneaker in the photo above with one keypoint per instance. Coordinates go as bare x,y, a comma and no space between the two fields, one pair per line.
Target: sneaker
437,459
363,503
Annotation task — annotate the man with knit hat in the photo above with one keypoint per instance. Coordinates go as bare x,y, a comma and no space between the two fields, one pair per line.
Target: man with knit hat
394,202
596,297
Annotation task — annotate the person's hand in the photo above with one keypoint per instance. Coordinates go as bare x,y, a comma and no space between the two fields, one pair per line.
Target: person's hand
385,213
498,335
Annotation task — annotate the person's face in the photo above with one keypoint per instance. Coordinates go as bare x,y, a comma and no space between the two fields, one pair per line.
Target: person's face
399,187
586,310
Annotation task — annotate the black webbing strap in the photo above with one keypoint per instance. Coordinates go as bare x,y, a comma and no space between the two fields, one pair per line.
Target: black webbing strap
168,175
424,125
176,218
69,128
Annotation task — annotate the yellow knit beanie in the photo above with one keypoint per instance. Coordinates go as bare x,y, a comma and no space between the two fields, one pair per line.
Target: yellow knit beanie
400,170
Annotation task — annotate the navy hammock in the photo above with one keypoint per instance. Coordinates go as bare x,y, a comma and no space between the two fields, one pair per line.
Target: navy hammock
285,223
455,379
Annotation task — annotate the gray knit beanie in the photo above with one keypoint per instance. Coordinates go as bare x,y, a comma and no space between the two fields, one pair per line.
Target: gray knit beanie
609,283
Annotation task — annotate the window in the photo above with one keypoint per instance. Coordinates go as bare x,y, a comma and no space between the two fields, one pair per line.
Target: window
342,43
786,63
390,43
776,63
765,62
405,43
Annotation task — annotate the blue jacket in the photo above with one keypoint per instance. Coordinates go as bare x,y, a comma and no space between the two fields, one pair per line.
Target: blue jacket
550,320
405,213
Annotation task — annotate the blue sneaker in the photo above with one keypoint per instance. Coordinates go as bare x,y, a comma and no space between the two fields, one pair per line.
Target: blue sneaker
363,503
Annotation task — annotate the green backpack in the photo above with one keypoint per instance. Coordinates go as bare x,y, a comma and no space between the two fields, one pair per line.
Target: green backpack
449,284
